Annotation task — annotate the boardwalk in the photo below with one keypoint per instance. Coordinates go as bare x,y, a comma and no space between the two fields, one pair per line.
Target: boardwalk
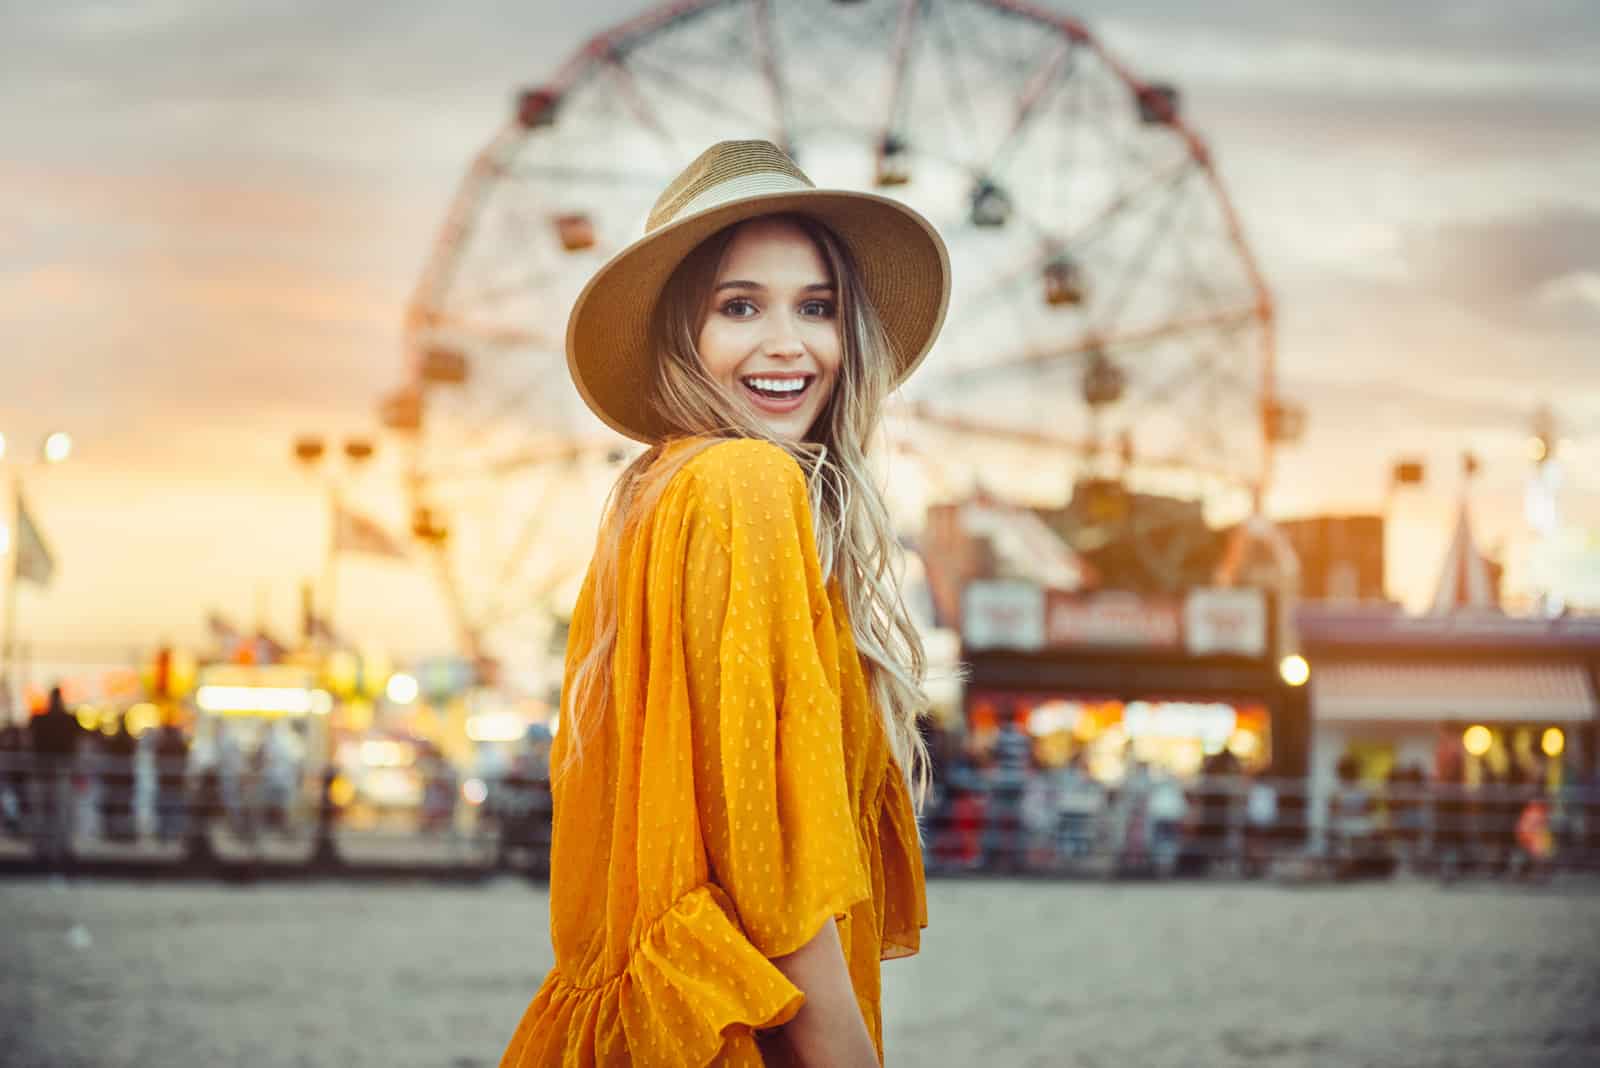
1079,974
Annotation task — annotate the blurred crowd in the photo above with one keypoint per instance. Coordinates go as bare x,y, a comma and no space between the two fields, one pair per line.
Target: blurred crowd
996,804
60,781
1000,808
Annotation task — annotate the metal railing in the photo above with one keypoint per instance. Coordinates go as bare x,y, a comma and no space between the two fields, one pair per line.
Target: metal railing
112,808
1253,827
106,809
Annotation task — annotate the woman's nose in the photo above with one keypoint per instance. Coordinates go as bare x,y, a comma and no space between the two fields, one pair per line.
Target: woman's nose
784,338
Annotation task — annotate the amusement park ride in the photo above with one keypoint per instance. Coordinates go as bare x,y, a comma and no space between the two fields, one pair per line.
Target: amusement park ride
1108,320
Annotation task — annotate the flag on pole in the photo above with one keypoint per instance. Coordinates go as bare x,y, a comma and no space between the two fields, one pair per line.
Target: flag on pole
356,533
34,562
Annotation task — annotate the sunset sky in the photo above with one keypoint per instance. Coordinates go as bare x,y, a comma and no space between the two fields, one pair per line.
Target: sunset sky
211,215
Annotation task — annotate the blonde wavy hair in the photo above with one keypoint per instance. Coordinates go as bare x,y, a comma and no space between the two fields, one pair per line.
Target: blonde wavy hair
855,540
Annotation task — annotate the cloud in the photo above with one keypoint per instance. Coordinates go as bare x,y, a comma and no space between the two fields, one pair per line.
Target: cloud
1579,290
1533,267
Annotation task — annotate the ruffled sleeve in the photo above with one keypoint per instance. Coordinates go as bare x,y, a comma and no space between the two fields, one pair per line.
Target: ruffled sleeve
905,898
763,657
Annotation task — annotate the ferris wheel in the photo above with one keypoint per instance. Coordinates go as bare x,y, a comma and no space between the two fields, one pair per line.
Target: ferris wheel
1106,309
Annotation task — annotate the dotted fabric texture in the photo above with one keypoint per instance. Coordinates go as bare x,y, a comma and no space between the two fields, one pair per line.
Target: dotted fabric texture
739,793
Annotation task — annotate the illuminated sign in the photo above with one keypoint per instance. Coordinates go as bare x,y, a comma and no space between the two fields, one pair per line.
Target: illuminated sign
1120,619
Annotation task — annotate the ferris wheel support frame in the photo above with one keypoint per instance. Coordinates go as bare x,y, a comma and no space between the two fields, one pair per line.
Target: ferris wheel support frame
609,50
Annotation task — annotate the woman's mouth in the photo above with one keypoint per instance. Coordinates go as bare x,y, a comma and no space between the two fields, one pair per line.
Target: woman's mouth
777,393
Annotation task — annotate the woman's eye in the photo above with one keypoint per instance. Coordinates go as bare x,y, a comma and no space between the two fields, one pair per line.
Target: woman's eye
738,307
822,309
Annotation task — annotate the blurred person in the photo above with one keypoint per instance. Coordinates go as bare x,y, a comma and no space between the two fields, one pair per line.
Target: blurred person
1260,825
55,738
171,767
1407,814
1216,796
325,850
279,776
439,785
1517,790
969,814
744,682
205,809
1168,809
1351,819
522,803
1008,775
1535,835
1130,818
1082,806
117,785
1452,810
1041,805
15,762
230,769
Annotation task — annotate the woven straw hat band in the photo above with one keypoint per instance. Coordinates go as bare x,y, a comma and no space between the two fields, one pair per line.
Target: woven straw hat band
727,171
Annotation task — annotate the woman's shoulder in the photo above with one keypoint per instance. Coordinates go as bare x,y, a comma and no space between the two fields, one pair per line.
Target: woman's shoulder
743,466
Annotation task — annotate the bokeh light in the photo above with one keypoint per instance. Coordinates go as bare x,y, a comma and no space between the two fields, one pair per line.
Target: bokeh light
1295,670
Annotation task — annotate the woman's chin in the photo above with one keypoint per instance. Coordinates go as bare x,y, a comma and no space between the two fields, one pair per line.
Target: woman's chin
791,426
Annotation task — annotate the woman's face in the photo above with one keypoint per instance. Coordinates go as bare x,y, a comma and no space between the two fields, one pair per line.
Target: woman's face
771,333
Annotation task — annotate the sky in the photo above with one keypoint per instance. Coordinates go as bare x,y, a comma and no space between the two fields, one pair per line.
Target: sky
211,217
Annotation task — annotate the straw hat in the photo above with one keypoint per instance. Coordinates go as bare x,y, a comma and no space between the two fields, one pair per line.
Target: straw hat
901,259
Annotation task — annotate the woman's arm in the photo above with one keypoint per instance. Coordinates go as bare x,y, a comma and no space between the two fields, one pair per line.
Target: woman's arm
828,1029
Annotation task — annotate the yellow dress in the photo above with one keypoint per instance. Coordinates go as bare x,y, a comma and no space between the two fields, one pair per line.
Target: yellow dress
738,793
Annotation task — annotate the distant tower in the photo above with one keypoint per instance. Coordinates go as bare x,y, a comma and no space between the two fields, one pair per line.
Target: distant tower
1465,583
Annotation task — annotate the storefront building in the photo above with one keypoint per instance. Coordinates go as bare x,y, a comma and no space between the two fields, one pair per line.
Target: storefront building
1111,677
1389,692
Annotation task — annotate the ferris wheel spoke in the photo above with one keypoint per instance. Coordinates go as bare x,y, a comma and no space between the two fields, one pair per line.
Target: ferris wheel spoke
641,107
1044,81
538,522
899,63
494,414
684,90
1039,439
833,88
1108,312
1108,343
772,70
957,97
494,336
558,174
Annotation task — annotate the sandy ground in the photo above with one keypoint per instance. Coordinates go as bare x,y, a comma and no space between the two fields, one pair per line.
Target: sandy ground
1012,973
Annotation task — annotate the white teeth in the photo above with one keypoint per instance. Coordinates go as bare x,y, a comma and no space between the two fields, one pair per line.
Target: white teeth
778,385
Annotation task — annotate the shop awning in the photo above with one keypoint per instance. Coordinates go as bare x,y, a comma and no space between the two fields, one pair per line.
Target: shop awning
1399,691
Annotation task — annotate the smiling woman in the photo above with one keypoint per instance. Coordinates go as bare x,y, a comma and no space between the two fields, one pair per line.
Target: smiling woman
735,843
769,333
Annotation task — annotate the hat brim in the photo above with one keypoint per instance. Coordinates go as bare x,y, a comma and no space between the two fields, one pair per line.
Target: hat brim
903,264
